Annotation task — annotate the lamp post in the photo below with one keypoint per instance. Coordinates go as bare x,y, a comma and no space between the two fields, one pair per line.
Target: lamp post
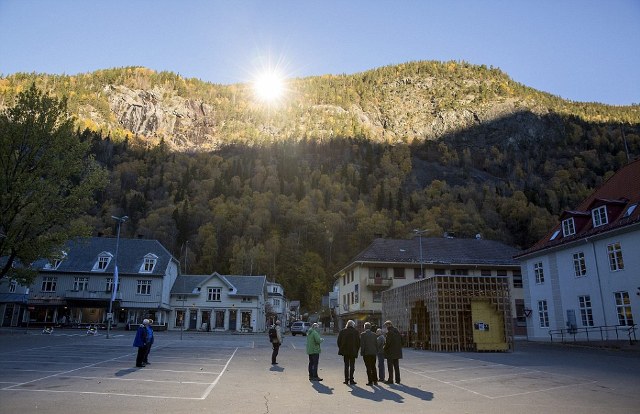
420,233
114,282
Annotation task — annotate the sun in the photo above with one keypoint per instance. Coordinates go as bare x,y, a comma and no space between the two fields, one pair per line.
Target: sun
269,86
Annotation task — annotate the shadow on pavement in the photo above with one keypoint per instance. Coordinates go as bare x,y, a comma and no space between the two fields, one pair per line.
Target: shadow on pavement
376,394
124,372
414,392
321,388
276,368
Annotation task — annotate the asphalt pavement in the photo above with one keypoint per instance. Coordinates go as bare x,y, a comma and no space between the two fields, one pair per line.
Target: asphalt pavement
70,372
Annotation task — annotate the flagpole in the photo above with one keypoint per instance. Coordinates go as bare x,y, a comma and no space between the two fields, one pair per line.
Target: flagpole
114,282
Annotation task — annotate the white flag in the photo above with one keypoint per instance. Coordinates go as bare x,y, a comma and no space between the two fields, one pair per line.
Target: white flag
114,287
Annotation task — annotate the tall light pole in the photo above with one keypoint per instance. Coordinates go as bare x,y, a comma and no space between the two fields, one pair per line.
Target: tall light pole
420,233
114,281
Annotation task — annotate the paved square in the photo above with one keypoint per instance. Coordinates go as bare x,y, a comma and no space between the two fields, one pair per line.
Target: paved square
207,372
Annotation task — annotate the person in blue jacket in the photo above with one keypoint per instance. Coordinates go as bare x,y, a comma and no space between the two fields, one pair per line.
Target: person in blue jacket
140,342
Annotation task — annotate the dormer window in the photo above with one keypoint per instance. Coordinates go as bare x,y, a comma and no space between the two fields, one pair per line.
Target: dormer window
599,216
149,263
568,227
103,261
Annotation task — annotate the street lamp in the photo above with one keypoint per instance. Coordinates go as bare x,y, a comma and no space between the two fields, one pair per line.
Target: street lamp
114,282
420,233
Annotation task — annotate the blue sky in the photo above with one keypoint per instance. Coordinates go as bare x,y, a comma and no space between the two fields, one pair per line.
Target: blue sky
582,50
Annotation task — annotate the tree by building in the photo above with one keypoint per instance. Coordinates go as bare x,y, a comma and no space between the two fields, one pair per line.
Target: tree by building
47,181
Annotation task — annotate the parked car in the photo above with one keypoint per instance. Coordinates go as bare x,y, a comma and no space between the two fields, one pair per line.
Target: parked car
300,328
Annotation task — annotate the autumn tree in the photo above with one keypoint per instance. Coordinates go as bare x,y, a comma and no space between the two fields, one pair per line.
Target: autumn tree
47,181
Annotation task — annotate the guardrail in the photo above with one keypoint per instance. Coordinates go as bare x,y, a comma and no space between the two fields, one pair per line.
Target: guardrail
597,333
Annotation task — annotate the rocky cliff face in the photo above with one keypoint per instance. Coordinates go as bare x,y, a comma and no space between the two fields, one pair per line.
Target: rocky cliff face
187,124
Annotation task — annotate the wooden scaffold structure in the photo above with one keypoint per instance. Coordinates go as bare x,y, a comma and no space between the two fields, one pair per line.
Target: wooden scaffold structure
452,313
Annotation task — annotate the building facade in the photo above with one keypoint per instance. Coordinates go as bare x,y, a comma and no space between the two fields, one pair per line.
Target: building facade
388,264
218,303
582,280
277,304
77,289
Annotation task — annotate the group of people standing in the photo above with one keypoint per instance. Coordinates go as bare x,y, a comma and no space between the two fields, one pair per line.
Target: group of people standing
143,341
373,346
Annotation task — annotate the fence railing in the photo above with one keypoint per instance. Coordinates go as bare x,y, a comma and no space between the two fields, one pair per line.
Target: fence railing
596,333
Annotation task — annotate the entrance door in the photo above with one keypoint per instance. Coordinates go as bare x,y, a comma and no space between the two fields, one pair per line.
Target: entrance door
206,321
193,319
233,315
8,314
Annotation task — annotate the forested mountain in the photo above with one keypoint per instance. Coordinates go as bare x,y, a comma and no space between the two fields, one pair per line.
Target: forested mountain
294,191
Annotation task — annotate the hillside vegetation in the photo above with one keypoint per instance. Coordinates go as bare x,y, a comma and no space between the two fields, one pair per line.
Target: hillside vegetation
294,191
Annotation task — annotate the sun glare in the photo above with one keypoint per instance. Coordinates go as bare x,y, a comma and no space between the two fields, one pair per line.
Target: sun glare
269,86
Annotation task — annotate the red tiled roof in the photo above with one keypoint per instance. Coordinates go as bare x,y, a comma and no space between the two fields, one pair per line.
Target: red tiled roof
621,189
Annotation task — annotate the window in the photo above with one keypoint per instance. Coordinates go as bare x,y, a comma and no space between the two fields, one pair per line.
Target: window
213,294
539,272
179,318
103,261
579,264
517,279
109,287
418,273
12,286
439,272
623,307
276,302
543,314
398,273
377,296
554,235
49,284
144,287
149,263
585,310
246,299
81,283
568,227
274,289
485,272
615,256
599,216
460,272
501,272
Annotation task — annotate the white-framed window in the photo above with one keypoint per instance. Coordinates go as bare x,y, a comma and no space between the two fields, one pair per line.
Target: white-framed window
213,294
144,287
148,263
517,279
538,271
568,227
81,283
246,299
543,314
12,286
103,261
276,302
615,256
599,216
623,308
109,285
49,283
274,289
579,264
586,312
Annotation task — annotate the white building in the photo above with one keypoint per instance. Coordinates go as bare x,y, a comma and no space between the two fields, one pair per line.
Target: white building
581,280
278,305
219,303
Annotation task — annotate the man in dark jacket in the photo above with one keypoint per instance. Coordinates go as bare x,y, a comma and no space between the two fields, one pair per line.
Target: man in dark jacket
368,350
393,352
348,347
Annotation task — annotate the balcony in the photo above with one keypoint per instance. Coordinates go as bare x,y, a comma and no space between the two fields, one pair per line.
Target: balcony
379,283
91,295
